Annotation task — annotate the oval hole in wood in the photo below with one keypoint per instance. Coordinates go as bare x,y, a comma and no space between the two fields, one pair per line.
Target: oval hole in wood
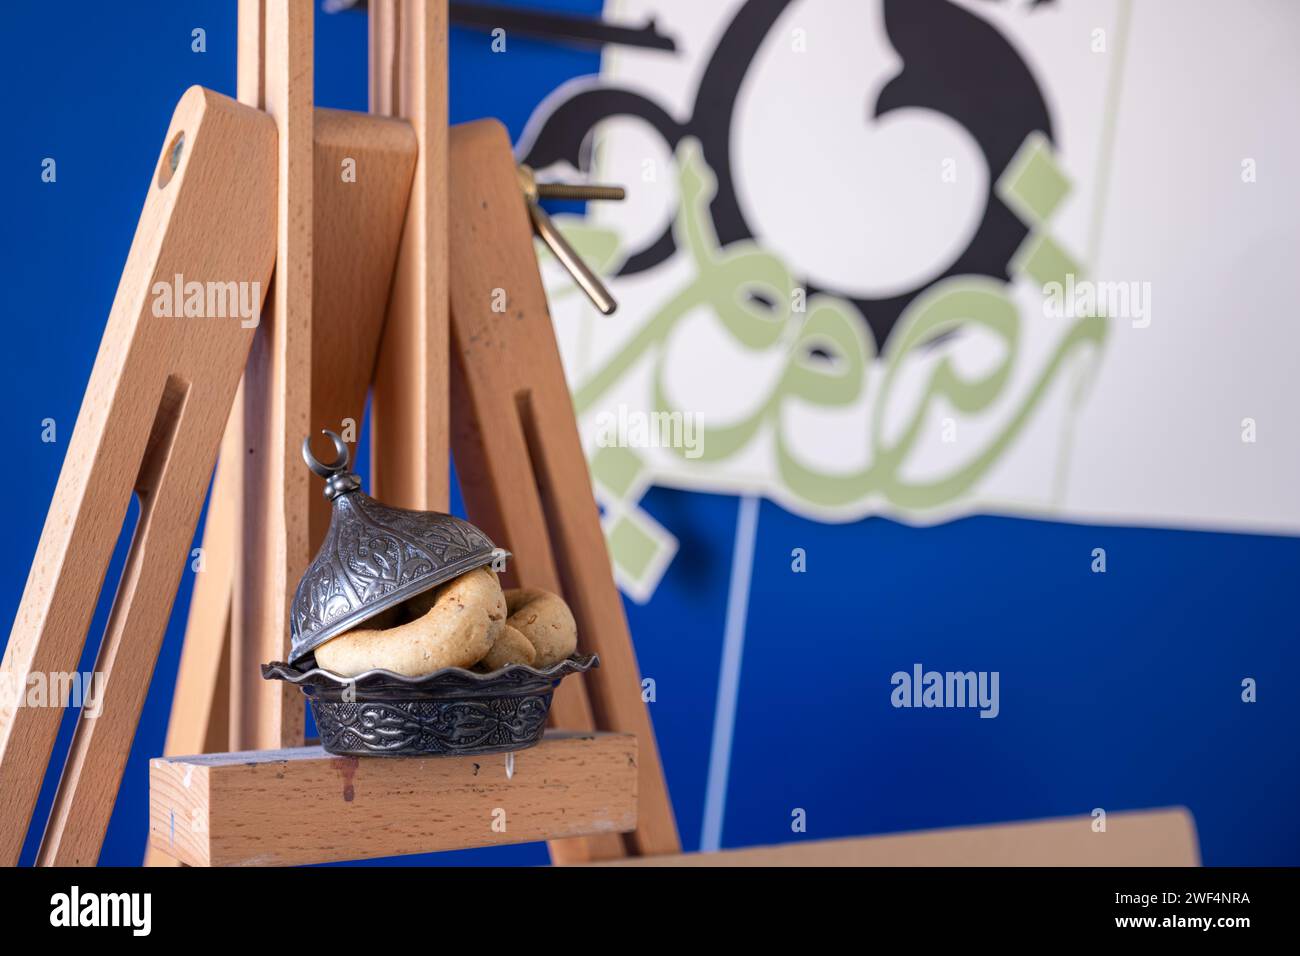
171,159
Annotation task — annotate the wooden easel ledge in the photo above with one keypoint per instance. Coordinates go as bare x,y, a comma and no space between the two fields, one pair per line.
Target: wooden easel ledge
301,805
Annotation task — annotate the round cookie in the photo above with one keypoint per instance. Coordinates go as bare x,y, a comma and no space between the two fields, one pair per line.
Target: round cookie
457,630
510,647
479,585
545,620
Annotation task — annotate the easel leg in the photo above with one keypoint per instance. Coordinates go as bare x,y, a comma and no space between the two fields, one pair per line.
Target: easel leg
409,415
522,469
150,423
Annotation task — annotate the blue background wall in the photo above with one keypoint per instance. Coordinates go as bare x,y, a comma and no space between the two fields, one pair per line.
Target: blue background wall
1119,690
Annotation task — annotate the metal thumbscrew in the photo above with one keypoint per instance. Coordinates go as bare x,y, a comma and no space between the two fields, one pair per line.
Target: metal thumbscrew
534,191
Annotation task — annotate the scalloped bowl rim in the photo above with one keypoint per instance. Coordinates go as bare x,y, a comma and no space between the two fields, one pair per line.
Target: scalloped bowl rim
291,674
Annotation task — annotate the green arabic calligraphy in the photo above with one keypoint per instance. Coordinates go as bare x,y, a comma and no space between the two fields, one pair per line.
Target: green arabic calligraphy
827,358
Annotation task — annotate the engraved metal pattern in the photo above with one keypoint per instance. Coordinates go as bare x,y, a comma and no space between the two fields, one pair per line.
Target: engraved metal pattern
450,727
451,712
373,557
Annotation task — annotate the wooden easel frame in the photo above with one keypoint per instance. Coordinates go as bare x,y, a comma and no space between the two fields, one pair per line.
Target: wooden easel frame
150,425
359,295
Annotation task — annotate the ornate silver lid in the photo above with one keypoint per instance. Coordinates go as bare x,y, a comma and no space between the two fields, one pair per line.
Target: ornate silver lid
373,557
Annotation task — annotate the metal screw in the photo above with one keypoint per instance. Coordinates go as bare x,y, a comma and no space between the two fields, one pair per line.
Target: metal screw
579,192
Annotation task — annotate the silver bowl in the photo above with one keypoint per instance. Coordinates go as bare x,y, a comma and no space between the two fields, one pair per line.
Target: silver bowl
452,712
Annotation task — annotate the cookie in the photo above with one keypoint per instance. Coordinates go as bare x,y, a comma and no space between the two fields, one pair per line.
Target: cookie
458,629
545,620
510,647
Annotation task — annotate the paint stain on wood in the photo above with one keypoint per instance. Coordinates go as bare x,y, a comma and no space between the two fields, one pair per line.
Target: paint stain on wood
346,768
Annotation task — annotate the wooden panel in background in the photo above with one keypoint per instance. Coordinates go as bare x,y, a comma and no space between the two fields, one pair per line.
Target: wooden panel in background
1131,838
299,806
363,170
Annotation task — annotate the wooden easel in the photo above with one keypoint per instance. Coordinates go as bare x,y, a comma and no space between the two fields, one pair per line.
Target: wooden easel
381,284
357,285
